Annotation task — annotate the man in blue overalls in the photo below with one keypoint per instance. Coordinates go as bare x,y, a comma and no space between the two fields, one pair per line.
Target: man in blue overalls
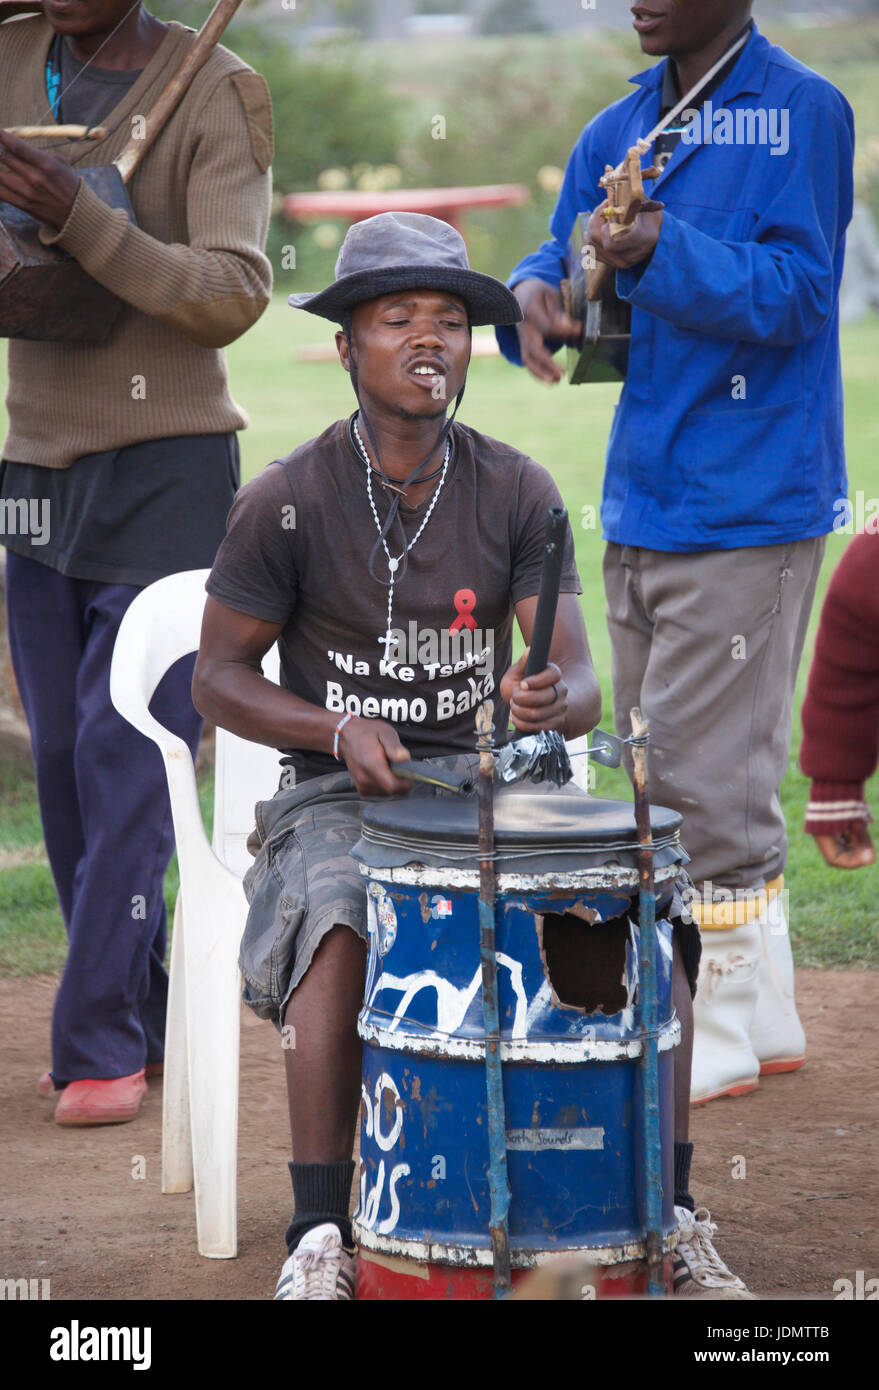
725,459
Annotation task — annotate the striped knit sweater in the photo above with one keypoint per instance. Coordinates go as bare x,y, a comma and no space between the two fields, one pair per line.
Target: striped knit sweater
192,272
841,710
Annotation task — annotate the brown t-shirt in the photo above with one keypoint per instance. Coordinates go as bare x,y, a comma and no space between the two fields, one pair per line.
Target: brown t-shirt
296,552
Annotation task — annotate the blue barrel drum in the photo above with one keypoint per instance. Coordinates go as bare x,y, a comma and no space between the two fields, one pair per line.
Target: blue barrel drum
567,942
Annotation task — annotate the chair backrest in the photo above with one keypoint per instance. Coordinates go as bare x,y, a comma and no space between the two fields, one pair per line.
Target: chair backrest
161,625
244,773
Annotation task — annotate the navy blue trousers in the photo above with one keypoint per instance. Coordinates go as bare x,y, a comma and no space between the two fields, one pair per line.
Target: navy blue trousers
106,816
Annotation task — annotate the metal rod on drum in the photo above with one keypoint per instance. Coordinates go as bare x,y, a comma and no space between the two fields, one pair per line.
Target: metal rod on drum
649,1010
498,1179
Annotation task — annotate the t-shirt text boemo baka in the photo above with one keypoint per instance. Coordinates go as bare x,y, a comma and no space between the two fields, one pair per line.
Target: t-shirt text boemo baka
297,551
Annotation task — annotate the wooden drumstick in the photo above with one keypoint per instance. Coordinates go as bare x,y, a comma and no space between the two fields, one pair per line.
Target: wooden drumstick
57,132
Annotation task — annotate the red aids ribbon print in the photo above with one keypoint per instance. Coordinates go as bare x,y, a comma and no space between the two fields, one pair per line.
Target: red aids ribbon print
465,602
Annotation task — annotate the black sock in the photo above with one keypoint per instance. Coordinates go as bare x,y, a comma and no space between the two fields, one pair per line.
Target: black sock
321,1193
683,1154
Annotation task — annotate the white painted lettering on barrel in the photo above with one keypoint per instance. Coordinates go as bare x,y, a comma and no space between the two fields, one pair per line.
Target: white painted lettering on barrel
387,1141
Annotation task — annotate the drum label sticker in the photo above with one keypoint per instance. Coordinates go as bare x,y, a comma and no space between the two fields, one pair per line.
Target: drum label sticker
435,907
535,1139
385,918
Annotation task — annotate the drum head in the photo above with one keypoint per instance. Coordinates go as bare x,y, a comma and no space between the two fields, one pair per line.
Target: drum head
529,821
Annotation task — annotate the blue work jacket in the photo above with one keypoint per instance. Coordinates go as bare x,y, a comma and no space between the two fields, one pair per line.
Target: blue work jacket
729,428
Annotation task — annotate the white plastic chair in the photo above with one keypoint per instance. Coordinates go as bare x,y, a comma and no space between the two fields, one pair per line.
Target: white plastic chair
200,1106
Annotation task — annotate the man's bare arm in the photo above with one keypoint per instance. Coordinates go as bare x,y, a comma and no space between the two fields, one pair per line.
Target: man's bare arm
565,696
229,688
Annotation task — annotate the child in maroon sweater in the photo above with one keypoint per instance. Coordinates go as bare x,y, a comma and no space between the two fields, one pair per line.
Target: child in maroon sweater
841,710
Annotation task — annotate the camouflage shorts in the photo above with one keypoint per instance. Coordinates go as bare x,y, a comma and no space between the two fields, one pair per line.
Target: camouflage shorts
303,882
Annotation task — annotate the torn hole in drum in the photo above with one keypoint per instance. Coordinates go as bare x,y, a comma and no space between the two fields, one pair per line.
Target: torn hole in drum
585,959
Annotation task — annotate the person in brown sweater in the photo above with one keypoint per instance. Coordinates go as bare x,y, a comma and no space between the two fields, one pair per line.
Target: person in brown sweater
119,467
840,747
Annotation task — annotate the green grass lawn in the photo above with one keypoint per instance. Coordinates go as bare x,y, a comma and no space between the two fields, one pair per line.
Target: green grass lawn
834,917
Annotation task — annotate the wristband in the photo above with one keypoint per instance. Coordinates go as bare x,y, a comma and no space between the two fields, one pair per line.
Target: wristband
336,732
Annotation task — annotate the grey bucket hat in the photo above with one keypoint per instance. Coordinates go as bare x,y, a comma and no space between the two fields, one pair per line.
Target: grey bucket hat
408,251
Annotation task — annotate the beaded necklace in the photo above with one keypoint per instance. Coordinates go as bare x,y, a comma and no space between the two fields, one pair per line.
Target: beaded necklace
393,562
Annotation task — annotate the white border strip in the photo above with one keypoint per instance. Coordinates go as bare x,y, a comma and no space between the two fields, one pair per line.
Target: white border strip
440,1045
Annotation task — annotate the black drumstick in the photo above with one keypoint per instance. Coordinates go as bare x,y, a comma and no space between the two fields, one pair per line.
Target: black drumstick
548,595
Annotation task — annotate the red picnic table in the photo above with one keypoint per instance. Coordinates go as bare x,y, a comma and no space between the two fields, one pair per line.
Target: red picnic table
449,204
355,205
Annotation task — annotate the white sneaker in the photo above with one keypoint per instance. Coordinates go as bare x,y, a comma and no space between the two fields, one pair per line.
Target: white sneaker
724,1061
320,1268
699,1272
776,1035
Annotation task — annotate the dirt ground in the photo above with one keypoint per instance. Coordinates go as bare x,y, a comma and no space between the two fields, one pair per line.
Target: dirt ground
803,1215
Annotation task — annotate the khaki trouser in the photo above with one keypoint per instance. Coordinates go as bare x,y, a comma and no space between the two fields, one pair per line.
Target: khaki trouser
708,644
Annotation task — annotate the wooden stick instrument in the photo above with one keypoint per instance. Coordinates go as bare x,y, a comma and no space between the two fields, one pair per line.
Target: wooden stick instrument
625,183
588,291
206,41
57,132
626,199
46,294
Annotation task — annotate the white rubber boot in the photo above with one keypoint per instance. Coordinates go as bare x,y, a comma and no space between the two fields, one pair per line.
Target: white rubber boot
777,1035
724,1061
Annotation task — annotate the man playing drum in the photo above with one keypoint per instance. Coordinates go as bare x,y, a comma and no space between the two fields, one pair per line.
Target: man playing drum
724,463
397,520
126,454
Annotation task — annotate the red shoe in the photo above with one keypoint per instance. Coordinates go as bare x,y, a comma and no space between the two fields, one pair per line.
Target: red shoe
46,1086
101,1102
